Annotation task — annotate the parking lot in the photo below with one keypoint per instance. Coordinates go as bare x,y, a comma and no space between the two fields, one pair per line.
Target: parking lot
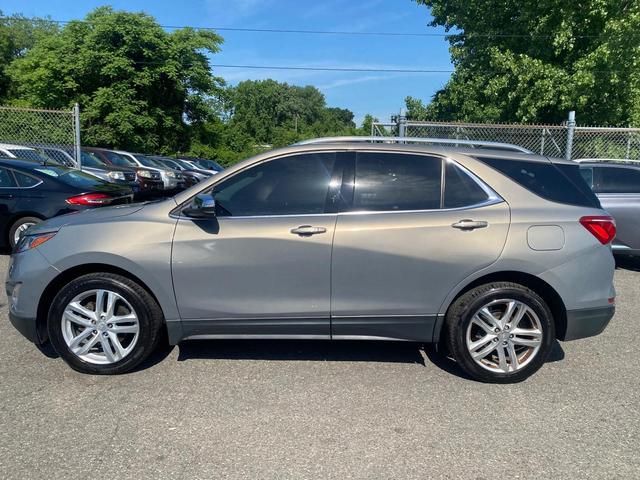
241,409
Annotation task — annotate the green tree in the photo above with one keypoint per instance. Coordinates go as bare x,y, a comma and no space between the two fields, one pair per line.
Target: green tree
275,113
535,60
140,87
17,35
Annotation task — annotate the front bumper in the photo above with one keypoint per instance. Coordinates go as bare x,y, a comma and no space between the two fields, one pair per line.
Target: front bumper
587,322
26,326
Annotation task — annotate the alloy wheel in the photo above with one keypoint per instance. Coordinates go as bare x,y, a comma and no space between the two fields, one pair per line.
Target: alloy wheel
100,326
504,336
20,230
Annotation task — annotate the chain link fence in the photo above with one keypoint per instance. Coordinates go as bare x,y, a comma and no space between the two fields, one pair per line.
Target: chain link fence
567,140
52,131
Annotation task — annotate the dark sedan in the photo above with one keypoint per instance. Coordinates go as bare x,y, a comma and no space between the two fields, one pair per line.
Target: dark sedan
31,192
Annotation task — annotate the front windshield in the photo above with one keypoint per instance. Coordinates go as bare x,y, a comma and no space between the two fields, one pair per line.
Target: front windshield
119,160
149,162
90,160
29,155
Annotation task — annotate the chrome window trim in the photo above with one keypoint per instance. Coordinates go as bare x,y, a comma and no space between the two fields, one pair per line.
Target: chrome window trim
18,187
493,197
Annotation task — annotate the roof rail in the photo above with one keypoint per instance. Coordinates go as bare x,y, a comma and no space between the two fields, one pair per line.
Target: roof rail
607,160
432,141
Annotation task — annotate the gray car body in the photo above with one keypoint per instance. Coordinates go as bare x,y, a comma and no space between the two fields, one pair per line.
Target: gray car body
375,275
623,206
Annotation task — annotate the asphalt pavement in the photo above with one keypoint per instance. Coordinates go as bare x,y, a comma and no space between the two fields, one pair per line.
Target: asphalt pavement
349,410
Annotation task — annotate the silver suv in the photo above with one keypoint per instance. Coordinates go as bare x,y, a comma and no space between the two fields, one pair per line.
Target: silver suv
616,183
492,254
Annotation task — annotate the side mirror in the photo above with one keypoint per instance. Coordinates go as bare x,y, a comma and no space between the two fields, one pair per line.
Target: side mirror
202,205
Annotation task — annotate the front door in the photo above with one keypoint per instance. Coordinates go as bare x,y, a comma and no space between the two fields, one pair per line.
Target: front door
262,267
418,226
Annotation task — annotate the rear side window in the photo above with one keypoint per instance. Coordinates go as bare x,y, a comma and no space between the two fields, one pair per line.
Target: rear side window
617,180
460,190
6,179
561,183
394,181
26,181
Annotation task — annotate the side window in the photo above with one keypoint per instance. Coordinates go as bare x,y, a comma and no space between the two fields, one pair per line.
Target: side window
587,174
6,179
396,181
618,180
556,182
294,185
460,190
25,181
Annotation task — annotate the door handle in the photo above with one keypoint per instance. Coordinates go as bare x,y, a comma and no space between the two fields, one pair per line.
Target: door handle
6,195
467,224
307,230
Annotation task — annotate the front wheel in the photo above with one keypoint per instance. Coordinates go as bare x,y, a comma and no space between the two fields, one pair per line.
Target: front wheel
500,332
102,323
19,227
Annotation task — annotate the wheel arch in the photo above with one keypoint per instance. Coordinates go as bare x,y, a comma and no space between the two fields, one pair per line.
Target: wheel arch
542,288
15,217
65,277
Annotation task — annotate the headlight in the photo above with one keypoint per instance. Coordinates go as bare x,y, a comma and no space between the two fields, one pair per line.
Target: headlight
27,242
116,175
171,174
145,174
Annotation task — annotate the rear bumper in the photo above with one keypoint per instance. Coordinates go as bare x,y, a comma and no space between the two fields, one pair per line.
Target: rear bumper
587,322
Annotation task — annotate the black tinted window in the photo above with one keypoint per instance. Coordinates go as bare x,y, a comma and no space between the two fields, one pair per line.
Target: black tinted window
287,186
24,180
460,190
560,183
6,179
394,181
617,180
587,174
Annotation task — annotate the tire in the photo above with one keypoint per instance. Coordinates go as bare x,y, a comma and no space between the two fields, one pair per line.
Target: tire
468,328
19,224
130,300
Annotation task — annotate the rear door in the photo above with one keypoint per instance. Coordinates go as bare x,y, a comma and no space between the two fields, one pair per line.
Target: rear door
417,226
618,188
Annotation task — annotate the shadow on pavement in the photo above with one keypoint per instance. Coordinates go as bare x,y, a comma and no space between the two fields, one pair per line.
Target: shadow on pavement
314,350
628,263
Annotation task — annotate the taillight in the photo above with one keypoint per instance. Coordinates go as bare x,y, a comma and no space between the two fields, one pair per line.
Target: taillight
602,227
91,199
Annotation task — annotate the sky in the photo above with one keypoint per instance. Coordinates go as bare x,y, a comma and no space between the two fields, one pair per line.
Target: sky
380,94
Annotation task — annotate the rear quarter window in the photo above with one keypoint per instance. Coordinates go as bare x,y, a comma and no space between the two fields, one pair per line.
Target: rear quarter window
561,183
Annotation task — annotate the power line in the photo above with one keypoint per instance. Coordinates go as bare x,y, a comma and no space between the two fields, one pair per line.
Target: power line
318,32
334,69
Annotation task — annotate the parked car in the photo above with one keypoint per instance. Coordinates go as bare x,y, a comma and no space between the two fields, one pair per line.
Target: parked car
91,164
173,180
31,192
204,163
191,175
149,180
493,254
59,155
617,185
8,150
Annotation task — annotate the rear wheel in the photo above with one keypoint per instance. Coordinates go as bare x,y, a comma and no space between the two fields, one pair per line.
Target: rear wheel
19,227
103,323
500,332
